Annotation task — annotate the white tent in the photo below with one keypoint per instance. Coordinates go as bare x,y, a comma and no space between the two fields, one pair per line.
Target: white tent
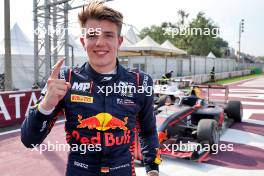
125,43
22,58
147,45
211,55
131,36
167,44
20,43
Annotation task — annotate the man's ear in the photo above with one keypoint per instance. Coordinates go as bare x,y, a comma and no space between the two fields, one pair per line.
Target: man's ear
120,40
82,41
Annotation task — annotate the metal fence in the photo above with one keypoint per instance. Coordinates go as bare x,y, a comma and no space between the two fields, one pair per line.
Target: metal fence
156,66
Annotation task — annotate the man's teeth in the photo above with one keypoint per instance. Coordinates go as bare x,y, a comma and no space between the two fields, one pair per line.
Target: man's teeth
101,52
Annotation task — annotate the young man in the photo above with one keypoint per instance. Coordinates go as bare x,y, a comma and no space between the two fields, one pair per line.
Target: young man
94,115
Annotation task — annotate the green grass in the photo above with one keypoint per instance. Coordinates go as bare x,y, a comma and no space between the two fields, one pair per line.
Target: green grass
235,79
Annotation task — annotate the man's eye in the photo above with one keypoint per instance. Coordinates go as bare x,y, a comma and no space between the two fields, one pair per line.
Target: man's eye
90,35
109,35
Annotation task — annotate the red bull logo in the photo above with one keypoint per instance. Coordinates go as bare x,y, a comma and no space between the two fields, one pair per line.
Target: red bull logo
86,140
102,122
109,138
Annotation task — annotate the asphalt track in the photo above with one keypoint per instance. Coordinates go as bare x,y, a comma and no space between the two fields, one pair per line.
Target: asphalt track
247,157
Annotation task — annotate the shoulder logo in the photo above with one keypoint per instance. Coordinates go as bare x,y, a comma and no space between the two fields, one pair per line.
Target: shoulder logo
145,81
62,74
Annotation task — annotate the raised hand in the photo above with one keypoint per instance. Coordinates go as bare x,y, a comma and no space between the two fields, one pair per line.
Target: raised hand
56,88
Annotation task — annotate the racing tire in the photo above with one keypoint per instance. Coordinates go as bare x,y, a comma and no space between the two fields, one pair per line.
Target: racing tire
208,132
234,110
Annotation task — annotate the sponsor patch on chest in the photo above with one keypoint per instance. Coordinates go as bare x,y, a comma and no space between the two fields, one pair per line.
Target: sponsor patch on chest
124,101
81,87
81,99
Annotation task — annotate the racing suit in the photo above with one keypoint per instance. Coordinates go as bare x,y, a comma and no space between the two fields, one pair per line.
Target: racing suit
107,120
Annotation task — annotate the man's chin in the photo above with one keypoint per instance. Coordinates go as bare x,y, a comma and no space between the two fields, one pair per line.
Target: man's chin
102,64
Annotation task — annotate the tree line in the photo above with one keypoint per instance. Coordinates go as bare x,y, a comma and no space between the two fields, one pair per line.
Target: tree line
199,36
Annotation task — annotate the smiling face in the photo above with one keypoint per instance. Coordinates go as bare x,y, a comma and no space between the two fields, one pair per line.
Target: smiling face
102,46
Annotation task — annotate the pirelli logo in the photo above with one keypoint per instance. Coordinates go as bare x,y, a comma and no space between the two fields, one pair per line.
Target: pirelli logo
81,99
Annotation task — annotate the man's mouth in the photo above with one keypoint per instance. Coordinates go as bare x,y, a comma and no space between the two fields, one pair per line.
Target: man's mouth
101,52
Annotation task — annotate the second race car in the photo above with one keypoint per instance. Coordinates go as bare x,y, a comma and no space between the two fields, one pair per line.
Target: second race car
191,127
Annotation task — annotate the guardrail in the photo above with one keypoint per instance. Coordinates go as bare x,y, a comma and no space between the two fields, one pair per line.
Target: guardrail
198,79
202,78
14,106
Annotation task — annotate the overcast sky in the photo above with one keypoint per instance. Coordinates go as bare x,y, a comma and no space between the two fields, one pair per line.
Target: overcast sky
143,13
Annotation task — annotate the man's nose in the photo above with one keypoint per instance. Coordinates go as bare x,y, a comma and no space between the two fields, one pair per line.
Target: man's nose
100,40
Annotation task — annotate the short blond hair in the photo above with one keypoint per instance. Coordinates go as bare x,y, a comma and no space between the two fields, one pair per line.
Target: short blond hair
97,10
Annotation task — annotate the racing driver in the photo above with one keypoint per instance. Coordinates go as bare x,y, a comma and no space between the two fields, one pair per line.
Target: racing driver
109,120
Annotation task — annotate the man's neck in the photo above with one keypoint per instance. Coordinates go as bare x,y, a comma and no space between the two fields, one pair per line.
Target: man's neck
110,69
110,72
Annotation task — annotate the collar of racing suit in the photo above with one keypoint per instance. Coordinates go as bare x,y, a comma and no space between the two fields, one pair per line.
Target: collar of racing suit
111,72
104,78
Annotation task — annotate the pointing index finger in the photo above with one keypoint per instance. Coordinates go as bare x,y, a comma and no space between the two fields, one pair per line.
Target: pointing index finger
56,69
